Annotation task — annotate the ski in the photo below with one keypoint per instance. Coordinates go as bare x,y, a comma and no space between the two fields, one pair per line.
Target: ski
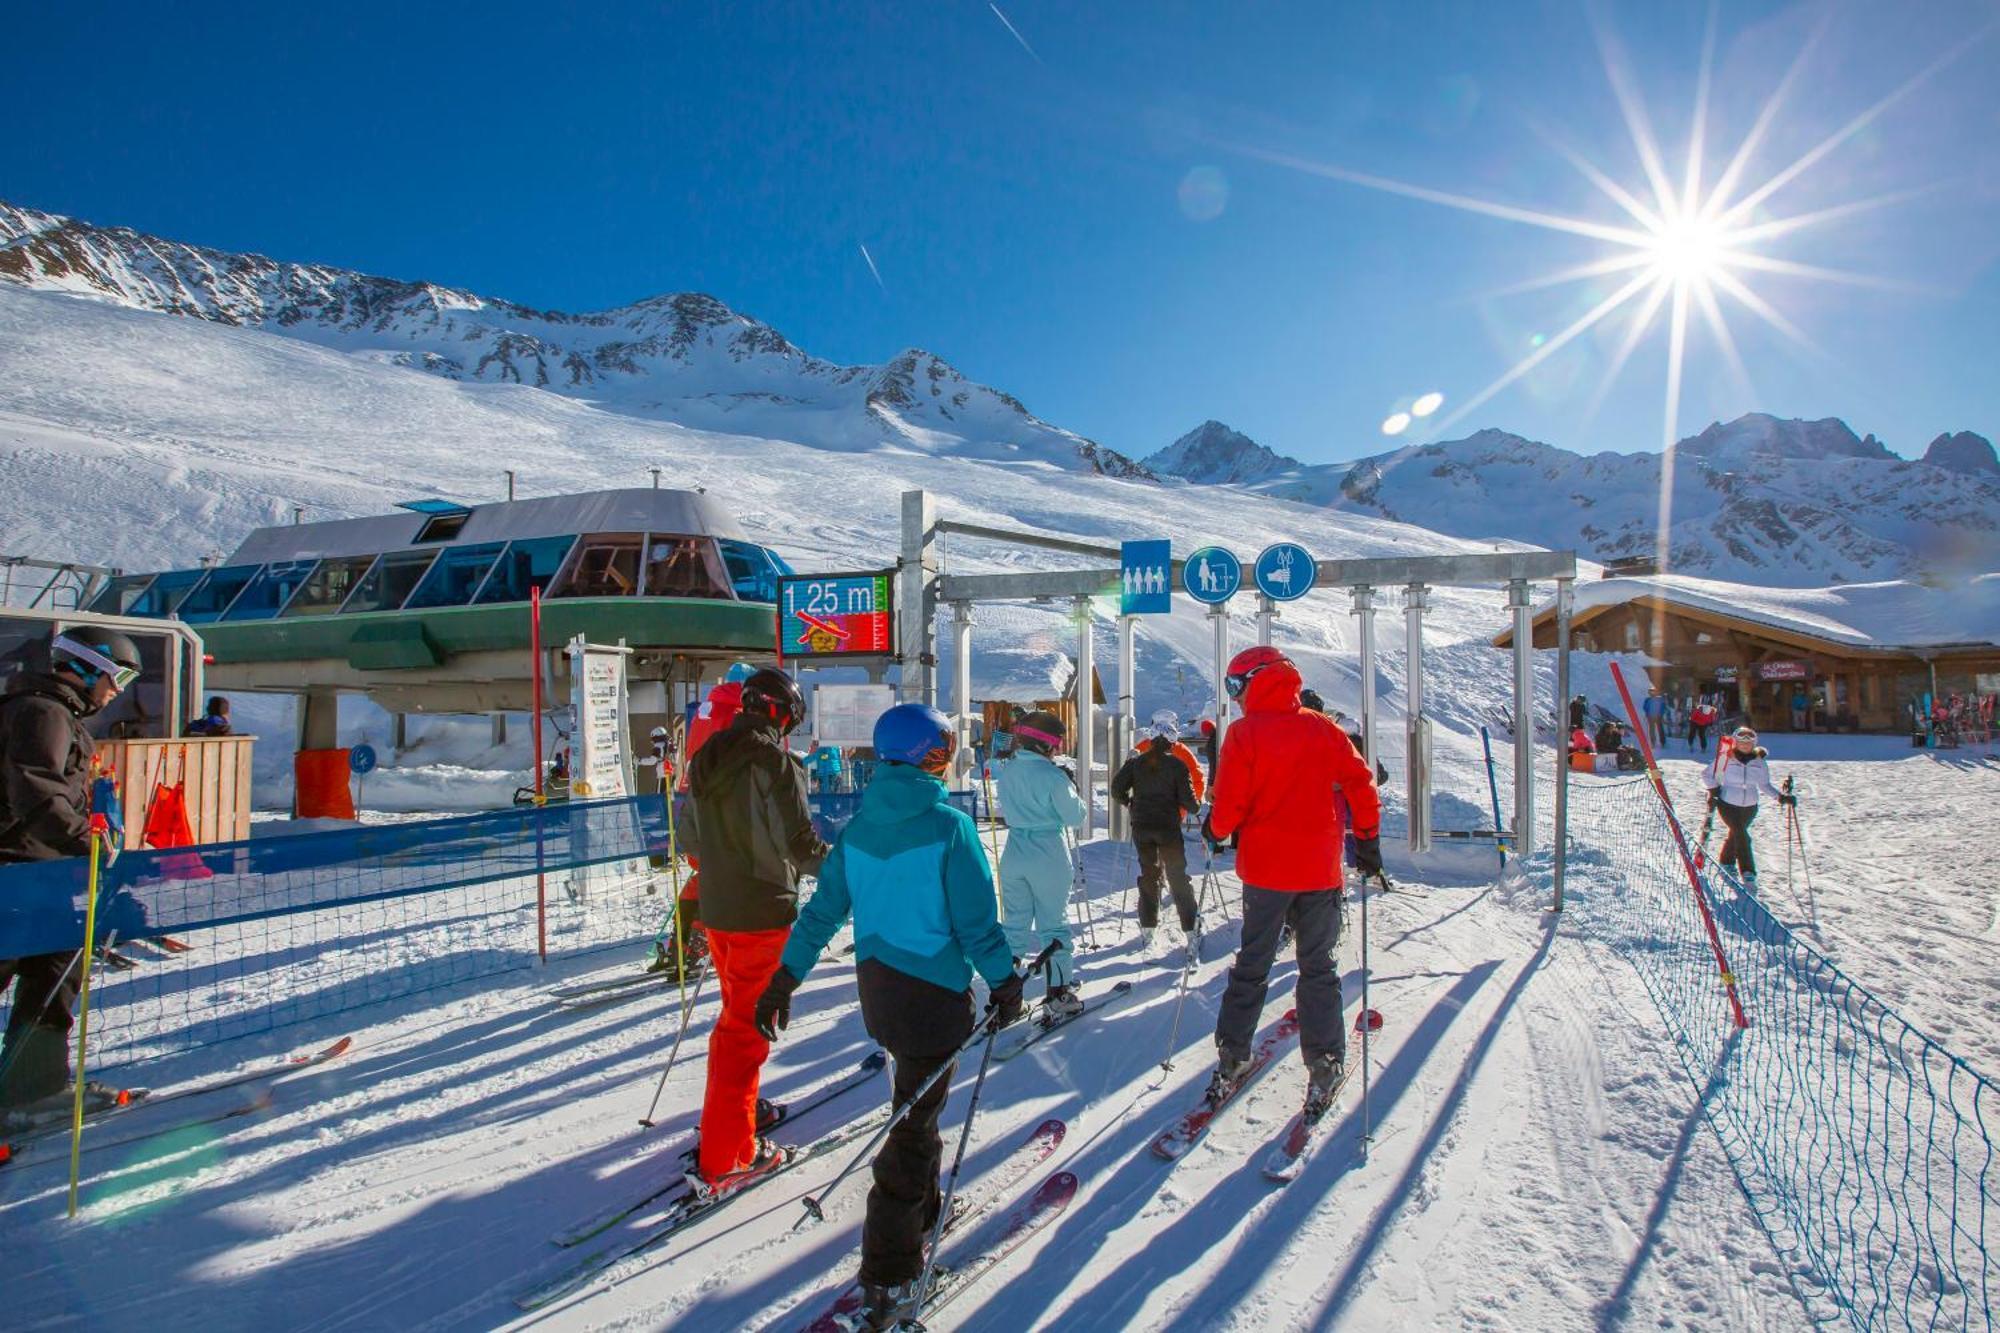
1174,1142
683,1210
1036,1029
31,1123
1039,1147
171,945
136,1097
602,1222
976,1260
1288,1155
587,989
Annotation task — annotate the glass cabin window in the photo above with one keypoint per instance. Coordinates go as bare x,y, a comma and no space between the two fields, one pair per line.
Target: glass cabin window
684,567
119,595
163,597
212,596
329,585
455,576
753,572
606,564
390,582
267,594
523,566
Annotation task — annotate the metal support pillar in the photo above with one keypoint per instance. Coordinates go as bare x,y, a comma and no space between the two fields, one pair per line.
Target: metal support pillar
1219,616
499,724
961,687
1127,734
916,599
1086,717
1524,717
319,720
1416,726
1364,614
1563,594
399,732
1267,612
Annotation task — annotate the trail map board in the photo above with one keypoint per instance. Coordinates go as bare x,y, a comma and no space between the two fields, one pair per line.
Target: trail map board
836,615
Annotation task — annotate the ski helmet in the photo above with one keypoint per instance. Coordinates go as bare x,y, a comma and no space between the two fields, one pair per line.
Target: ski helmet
1247,664
1166,724
1310,699
738,673
1041,731
915,734
93,653
773,694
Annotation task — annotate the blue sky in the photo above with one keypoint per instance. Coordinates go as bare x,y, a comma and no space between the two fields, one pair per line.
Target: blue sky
1106,225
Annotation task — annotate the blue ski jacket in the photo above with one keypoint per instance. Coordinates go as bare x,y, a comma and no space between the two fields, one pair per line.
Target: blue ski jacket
909,869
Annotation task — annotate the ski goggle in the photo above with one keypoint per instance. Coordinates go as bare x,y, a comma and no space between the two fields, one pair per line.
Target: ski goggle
121,675
1237,682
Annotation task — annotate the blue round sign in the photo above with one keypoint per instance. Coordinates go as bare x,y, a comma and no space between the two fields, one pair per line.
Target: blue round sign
1212,575
1286,571
361,759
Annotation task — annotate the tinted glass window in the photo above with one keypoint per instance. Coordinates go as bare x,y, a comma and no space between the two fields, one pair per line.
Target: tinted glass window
267,594
751,571
213,594
605,565
525,565
119,595
683,567
329,585
442,528
389,584
455,576
163,597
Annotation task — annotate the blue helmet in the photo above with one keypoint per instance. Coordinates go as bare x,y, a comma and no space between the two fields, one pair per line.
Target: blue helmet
915,734
738,673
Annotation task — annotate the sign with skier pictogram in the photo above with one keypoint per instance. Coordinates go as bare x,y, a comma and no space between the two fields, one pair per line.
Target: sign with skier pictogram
1285,572
1212,575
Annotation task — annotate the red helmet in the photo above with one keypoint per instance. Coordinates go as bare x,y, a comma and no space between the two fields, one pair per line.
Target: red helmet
1247,664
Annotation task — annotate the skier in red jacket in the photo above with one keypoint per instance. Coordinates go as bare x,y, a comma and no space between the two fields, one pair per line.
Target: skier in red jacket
1274,792
682,941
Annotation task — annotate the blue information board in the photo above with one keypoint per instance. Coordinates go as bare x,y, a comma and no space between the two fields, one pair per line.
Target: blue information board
1212,575
836,615
1145,577
1286,571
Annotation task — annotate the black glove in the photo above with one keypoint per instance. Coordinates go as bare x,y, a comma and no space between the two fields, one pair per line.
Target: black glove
774,1006
1786,798
1214,843
1368,856
1007,1006
1713,800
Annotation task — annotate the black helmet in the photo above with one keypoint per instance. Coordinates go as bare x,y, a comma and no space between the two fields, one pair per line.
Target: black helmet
93,652
1041,732
771,693
1310,699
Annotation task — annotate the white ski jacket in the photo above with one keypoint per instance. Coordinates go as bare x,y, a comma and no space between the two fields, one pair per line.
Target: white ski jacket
1737,781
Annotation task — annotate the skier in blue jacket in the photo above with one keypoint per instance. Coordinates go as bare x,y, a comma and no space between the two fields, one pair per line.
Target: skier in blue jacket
910,871
1039,802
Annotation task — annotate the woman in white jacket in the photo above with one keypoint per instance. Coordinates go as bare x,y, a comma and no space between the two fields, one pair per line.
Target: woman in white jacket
1734,779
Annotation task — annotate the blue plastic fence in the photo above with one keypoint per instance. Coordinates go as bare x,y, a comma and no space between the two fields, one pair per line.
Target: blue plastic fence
1865,1148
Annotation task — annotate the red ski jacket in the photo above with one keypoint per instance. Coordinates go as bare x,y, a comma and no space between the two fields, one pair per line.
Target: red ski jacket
717,711
1274,788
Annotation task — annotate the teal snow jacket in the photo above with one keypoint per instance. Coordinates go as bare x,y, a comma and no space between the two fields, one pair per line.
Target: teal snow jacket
910,871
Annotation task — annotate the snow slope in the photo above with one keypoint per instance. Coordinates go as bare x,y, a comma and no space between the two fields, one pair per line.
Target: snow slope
1757,500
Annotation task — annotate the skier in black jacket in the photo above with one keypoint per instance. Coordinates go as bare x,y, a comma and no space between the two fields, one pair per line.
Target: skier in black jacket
45,756
1156,785
753,830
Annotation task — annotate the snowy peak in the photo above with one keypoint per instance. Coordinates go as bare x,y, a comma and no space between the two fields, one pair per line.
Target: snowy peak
1964,452
1212,452
1757,435
684,357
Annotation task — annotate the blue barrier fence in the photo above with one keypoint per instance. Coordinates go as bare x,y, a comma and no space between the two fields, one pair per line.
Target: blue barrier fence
289,928
1865,1148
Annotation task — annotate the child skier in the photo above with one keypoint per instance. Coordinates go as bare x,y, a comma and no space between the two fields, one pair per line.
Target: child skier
910,871
1734,778
1039,801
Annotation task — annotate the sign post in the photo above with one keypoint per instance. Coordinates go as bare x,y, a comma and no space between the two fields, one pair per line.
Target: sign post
1211,576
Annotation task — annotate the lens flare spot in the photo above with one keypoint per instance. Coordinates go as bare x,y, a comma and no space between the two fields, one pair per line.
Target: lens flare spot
1397,423
1427,404
1204,193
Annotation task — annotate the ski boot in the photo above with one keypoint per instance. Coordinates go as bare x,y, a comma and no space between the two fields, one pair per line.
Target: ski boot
770,1115
1061,1004
1323,1078
1146,934
884,1307
705,1190
1229,1071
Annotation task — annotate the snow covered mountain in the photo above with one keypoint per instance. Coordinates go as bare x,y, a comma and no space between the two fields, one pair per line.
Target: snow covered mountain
685,357
1758,499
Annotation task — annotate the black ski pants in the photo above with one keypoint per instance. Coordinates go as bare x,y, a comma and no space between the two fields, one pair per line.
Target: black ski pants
903,1205
1162,853
1736,846
1314,916
34,1061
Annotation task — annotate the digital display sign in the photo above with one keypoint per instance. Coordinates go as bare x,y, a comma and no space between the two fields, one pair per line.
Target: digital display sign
836,615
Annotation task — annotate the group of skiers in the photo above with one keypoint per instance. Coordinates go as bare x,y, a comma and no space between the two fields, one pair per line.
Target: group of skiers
910,873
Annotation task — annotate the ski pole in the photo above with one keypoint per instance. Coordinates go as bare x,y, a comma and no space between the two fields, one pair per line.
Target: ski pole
1367,1024
98,828
687,1011
813,1201
951,1181
992,829
1079,890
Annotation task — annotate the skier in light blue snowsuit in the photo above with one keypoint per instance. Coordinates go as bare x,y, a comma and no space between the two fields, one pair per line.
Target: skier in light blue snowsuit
1039,802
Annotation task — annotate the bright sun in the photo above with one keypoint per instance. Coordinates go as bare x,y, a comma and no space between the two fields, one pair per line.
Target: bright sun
1687,250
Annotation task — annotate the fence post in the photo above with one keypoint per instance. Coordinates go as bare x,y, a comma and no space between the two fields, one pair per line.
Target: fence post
541,797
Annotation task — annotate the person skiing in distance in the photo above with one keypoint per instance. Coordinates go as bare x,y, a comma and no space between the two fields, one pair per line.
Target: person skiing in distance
1734,779
1208,747
1170,720
714,715
753,828
1654,710
1274,793
1700,718
1579,711
910,872
1157,784
45,781
1039,801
